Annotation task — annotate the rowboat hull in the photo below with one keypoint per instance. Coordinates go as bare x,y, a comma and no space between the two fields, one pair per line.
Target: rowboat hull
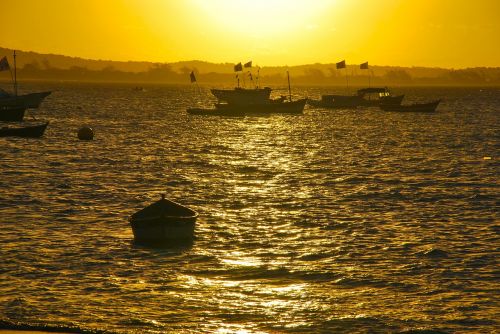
164,222
161,229
26,101
295,107
33,131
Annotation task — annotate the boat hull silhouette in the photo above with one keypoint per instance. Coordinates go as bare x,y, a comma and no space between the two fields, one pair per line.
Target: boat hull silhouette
273,107
164,221
32,100
29,131
363,98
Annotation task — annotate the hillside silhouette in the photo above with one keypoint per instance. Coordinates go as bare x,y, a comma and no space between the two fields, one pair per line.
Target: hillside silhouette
36,66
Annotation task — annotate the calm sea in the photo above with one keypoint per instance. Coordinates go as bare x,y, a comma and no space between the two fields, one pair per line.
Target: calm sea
335,221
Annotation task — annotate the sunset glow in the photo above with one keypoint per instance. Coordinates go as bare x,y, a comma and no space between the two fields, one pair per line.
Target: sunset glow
272,32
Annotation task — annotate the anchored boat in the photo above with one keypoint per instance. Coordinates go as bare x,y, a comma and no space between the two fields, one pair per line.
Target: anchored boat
15,101
277,106
242,102
29,131
366,97
162,221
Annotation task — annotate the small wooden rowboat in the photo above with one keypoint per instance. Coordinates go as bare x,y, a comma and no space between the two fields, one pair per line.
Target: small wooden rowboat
32,131
164,221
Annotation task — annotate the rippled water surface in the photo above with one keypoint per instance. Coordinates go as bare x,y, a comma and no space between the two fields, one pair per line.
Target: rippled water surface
334,221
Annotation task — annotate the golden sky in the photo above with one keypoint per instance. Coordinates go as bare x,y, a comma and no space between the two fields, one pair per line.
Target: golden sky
441,33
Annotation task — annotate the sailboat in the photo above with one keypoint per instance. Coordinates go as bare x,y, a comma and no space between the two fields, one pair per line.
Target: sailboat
12,106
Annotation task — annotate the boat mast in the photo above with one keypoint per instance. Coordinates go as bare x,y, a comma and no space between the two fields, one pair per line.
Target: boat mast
15,74
289,88
346,79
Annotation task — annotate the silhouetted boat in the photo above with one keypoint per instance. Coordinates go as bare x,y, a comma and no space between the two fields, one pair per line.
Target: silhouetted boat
11,114
164,220
416,107
32,100
26,101
278,106
32,131
364,98
257,101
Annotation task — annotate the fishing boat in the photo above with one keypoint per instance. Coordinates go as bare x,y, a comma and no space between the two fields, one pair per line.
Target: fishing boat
26,101
28,131
416,107
242,102
366,97
164,220
11,114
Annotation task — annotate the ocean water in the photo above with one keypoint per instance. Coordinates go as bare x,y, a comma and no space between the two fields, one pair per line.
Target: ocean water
335,221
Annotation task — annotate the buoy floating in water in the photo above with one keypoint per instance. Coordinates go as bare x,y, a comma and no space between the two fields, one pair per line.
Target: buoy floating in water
86,133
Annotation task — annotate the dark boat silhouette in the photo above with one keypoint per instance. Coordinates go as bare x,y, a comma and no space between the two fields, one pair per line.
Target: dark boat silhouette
31,131
278,106
366,97
163,221
416,107
257,101
26,101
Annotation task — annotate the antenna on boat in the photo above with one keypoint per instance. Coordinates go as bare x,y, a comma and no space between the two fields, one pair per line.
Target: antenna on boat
289,88
15,74
347,79
258,76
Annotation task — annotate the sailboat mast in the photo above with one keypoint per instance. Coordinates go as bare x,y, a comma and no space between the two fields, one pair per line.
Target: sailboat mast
15,74
289,88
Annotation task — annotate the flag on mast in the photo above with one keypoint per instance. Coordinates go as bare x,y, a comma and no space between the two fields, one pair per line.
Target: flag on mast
238,67
364,66
192,77
4,64
249,64
340,64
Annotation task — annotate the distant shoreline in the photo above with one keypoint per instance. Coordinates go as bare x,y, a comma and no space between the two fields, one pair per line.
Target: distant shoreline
49,67
5,84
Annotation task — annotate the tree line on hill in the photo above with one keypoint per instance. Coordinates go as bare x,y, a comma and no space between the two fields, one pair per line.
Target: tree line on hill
33,66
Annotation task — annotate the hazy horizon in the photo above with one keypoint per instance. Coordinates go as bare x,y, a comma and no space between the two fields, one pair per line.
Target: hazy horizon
446,34
233,62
